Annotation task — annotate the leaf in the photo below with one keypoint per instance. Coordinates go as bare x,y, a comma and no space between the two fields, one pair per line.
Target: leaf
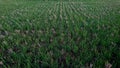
1,63
2,36
10,50
91,65
108,65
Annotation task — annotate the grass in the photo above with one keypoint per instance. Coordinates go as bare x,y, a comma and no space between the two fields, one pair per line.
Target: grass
59,34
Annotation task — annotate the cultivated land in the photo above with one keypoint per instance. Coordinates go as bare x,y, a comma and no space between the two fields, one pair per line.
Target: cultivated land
59,34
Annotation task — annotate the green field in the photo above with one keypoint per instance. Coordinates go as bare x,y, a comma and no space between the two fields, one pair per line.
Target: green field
59,34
